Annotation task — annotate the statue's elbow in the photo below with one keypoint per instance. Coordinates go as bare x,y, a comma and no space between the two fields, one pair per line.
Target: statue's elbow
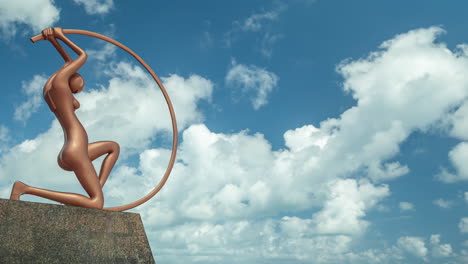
84,57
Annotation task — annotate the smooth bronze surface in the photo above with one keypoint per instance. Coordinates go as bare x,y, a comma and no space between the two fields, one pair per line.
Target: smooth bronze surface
77,153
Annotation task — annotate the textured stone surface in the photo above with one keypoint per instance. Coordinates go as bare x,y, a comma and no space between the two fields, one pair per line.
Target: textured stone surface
46,233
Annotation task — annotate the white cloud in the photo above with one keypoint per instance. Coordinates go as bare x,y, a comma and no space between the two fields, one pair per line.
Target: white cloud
398,253
226,181
458,157
406,206
413,245
246,241
371,256
255,22
33,91
443,203
463,225
4,138
439,250
388,171
252,79
305,137
38,14
238,176
344,209
106,52
14,160
389,103
258,23
96,7
406,86
132,97
459,120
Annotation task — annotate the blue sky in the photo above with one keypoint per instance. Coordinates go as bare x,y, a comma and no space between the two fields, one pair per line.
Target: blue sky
310,131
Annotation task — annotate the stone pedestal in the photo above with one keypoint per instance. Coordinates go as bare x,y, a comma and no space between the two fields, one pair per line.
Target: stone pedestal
46,233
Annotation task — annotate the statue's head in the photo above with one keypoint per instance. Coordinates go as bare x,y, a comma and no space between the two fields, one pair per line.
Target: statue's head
76,83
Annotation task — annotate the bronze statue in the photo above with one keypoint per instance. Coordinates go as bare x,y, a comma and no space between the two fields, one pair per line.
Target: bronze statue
77,154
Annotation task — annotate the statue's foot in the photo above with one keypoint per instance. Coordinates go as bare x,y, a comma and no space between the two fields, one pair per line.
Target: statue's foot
19,188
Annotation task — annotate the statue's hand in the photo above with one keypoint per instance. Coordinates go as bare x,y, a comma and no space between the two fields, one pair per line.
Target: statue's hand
48,33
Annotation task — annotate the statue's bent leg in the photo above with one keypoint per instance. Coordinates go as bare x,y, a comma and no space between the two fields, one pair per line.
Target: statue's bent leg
74,199
97,149
86,176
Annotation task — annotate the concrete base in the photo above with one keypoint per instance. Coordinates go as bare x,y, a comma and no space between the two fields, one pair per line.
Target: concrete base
47,233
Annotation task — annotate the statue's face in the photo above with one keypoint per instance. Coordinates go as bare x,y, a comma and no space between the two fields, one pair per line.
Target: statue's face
76,83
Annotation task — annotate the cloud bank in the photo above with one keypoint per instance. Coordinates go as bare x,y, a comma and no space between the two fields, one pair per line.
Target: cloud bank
37,15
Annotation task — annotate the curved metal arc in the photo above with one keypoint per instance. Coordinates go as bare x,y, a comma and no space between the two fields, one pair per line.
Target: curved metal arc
169,104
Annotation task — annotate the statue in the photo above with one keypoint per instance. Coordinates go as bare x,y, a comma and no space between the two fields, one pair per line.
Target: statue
77,153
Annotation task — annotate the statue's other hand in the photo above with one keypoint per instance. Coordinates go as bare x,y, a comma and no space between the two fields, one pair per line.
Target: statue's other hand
48,33
58,32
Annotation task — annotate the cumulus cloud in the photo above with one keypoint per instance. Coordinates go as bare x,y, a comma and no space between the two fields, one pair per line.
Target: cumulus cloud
439,250
252,79
225,181
459,121
443,203
406,206
399,89
289,239
398,253
408,85
106,52
132,104
294,139
99,7
388,171
458,157
238,175
247,241
344,209
33,91
37,15
413,245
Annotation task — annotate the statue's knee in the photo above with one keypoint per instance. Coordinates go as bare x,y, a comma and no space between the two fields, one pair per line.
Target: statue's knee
97,203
